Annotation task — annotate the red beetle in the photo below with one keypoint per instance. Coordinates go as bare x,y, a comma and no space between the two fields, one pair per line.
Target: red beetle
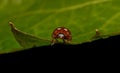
62,33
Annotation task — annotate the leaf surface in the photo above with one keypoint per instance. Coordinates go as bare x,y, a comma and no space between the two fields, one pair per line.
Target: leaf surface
41,17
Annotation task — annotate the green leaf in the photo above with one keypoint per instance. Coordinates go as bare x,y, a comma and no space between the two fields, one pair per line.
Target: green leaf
27,40
41,17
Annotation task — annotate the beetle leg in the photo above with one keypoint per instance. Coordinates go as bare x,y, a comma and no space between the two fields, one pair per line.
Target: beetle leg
66,41
54,40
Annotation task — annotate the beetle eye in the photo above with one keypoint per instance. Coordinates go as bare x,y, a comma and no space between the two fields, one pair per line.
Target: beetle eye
60,35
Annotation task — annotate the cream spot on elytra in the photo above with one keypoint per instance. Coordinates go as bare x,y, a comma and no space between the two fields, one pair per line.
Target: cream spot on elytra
58,28
65,29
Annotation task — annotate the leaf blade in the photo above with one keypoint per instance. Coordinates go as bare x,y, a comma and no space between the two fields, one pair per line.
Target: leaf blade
27,40
40,17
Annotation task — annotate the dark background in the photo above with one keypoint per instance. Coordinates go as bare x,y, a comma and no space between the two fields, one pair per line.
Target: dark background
98,47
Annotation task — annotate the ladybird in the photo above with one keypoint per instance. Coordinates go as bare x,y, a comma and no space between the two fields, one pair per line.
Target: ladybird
61,33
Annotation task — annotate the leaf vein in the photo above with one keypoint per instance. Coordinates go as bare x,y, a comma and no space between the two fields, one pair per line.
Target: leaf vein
110,20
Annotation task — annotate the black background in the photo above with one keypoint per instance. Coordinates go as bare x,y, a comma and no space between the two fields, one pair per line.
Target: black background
107,46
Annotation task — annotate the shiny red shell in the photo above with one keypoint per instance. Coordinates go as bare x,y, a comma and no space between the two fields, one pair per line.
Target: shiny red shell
63,31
